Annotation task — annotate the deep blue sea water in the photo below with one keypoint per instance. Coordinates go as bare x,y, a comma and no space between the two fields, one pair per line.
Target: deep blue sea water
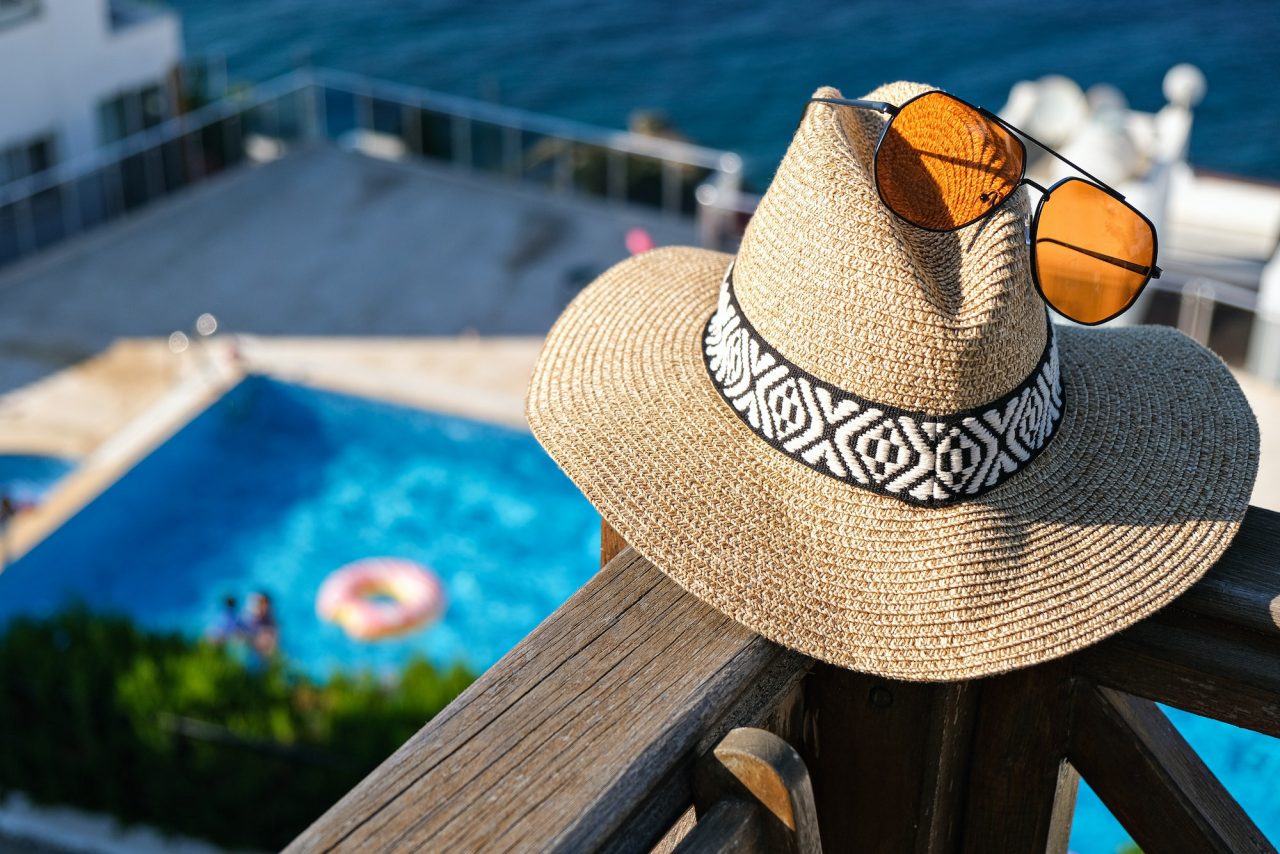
735,75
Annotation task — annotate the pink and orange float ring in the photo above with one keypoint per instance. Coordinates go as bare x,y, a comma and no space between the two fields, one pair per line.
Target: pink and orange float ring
380,597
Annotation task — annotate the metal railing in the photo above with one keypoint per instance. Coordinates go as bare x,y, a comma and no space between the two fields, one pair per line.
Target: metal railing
378,118
1198,298
13,12
123,14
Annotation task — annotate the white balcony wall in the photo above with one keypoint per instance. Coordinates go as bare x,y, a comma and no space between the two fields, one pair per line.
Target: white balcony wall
59,62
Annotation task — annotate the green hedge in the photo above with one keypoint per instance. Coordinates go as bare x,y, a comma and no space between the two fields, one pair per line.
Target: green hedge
153,727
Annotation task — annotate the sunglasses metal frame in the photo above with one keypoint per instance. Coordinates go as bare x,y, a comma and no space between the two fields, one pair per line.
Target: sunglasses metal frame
892,110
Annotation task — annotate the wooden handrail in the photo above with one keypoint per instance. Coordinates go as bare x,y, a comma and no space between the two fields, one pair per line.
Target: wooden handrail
585,735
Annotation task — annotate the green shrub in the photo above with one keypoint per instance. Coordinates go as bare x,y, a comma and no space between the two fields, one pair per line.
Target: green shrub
155,727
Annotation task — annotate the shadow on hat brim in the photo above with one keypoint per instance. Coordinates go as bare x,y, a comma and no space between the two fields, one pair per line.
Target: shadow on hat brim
1135,498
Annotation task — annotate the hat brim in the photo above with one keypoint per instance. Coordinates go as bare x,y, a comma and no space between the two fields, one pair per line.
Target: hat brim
1139,493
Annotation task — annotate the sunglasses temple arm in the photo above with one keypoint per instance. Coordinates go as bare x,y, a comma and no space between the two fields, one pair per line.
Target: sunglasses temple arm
1094,178
878,106
1153,272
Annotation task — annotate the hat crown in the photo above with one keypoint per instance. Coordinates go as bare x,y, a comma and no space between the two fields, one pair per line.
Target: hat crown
934,322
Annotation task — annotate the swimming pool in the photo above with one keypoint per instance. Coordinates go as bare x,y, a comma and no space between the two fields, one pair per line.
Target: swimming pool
276,485
26,478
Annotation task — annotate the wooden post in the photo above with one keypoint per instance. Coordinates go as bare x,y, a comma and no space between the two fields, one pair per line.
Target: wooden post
912,739
610,543
753,794
1151,779
1021,793
965,766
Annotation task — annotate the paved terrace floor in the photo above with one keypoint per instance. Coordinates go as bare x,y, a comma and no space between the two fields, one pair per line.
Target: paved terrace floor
320,243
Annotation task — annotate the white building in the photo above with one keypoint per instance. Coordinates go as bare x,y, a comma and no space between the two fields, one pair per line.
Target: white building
76,74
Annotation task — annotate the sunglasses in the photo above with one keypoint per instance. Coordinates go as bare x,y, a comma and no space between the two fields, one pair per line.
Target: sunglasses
942,164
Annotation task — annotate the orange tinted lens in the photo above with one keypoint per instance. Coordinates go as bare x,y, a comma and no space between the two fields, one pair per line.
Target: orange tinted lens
1093,252
942,164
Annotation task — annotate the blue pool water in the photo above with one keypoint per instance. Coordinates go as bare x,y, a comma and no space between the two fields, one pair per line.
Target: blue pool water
24,478
275,486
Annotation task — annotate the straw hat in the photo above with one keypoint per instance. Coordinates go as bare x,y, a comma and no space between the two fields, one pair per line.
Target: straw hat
867,443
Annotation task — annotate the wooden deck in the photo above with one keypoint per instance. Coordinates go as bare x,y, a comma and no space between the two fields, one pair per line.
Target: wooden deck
585,735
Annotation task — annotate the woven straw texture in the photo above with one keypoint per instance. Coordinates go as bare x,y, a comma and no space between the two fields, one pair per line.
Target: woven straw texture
1138,494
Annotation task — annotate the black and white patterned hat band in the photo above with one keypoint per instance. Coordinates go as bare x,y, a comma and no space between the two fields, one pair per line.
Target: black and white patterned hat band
922,459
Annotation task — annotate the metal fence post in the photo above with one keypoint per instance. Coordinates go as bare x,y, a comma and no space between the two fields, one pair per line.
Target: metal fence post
616,177
461,127
195,152
563,181
154,171
670,188
25,226
117,188
511,151
411,129
69,193
1195,310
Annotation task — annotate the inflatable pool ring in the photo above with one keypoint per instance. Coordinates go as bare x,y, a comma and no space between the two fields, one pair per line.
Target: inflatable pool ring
380,597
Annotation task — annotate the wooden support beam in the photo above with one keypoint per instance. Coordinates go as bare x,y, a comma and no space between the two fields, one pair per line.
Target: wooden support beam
908,741
611,544
756,769
1196,663
1021,792
1243,587
1152,780
730,825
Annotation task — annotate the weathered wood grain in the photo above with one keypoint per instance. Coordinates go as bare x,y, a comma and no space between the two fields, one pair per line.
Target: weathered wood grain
1152,780
1020,791
758,768
948,752
1243,588
886,760
1195,663
581,738
611,543
730,825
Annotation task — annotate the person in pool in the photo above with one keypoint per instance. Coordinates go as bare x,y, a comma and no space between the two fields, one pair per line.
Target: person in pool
228,626
262,628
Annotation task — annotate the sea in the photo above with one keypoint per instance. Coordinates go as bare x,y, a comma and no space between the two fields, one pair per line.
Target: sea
735,75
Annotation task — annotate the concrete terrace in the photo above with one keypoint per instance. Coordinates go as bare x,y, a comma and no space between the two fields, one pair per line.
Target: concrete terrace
320,243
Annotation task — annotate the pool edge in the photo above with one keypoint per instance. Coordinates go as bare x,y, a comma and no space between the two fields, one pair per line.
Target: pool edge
124,449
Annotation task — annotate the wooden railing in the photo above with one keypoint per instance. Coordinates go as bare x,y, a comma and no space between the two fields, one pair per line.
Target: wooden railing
585,736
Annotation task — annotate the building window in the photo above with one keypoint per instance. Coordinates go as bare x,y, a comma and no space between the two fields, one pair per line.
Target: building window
132,111
14,12
26,158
